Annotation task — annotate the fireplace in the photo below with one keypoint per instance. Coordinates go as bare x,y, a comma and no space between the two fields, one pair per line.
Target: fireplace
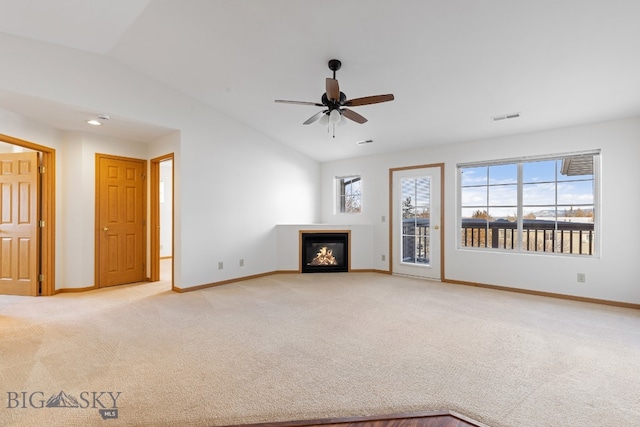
324,251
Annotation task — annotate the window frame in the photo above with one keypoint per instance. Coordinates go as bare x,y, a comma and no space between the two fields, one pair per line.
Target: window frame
341,196
520,162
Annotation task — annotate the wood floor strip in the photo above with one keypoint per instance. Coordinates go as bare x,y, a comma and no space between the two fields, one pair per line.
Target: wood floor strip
414,419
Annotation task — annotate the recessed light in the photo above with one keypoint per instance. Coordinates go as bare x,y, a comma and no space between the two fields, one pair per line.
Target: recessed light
98,121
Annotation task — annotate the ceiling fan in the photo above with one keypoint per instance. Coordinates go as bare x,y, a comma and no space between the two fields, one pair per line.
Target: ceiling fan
334,102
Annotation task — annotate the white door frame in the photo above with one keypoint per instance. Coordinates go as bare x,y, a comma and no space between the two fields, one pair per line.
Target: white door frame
395,251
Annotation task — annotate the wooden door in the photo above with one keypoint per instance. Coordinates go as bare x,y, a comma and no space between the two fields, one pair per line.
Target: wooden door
19,189
120,220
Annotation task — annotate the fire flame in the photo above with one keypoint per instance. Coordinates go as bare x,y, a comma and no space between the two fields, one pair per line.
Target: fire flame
324,257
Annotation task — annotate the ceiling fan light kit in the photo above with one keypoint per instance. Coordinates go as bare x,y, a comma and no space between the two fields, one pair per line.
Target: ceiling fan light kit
334,116
334,102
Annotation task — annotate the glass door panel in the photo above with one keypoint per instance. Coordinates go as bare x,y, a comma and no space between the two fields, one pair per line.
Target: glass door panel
415,212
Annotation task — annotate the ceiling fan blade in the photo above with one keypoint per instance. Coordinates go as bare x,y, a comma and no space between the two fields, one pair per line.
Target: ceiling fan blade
375,99
314,118
282,101
352,115
333,89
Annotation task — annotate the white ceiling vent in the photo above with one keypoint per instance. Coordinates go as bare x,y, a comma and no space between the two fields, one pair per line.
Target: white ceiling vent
505,117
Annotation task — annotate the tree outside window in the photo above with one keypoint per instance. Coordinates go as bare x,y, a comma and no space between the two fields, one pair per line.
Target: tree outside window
349,194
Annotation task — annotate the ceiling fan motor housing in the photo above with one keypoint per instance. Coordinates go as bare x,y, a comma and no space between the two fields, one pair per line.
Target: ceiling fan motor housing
332,104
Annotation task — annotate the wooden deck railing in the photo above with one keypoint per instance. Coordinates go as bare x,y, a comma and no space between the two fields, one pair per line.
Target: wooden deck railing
538,235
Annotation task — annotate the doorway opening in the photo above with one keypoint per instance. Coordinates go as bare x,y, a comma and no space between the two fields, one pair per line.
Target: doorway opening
162,224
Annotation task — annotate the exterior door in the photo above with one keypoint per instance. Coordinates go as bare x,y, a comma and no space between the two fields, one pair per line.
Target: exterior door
416,231
19,237
120,220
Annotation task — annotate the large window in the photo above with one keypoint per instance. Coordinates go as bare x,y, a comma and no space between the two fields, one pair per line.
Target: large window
546,204
349,191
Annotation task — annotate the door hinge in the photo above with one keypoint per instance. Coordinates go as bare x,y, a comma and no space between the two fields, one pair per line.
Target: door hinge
41,169
40,277
41,224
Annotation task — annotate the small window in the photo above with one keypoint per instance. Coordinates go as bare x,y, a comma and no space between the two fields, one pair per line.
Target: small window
546,204
349,190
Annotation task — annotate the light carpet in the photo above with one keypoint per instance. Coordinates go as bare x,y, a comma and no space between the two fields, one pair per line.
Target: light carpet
307,346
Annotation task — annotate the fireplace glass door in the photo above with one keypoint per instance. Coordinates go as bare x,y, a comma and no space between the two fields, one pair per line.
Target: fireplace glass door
323,252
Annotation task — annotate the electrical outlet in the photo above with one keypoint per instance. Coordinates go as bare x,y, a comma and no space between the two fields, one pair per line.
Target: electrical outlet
384,257
582,278
220,265
383,218
241,262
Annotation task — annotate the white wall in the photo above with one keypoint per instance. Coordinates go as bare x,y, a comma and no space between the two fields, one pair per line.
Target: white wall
612,276
232,183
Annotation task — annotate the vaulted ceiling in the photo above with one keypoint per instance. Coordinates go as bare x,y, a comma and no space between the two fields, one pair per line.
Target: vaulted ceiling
452,65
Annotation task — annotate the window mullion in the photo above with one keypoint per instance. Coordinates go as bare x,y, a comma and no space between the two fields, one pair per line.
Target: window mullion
520,209
486,230
555,226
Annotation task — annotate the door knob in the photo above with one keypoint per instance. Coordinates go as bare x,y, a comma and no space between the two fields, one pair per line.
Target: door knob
436,227
105,229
